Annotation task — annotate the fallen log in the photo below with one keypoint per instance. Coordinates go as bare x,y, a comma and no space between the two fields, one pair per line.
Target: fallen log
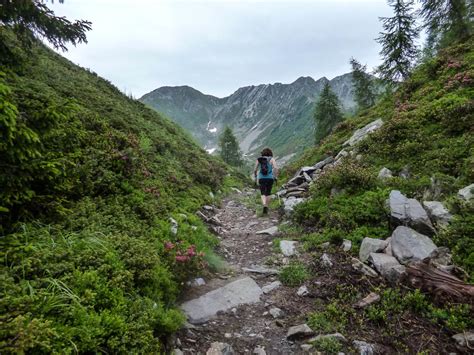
442,284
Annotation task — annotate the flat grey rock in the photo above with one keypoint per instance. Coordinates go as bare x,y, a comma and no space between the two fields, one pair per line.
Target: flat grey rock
371,245
259,350
288,247
438,213
242,291
271,286
467,192
409,245
387,266
409,212
299,331
269,231
362,133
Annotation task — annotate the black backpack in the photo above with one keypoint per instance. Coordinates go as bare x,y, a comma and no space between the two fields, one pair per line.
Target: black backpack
264,165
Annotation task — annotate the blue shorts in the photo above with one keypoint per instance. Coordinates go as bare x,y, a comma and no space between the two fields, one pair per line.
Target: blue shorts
265,186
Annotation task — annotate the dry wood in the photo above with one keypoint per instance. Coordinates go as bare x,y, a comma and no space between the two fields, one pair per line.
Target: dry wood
442,284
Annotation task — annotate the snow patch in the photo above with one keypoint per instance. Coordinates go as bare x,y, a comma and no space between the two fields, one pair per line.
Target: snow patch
211,150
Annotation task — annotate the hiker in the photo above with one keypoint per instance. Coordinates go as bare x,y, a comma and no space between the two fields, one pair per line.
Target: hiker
265,172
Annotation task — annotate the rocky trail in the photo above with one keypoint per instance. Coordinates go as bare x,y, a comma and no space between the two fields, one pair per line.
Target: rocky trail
246,308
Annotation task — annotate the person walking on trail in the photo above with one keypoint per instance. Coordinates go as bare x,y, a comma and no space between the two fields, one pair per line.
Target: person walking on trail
265,172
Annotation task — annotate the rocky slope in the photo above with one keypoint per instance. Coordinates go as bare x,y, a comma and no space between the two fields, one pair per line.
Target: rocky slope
277,115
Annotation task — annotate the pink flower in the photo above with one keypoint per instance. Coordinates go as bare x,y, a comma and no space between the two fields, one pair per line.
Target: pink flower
181,258
169,245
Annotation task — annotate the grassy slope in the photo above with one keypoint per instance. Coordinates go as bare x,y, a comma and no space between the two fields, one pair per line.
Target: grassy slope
84,267
428,128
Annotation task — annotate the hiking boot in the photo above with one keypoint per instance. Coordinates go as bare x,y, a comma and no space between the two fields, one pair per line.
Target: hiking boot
265,210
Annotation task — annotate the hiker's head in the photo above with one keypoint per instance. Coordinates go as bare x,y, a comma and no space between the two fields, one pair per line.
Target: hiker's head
267,152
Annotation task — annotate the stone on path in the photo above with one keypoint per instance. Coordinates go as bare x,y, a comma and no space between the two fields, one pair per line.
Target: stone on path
220,349
177,352
464,340
466,193
299,331
276,312
366,270
270,231
326,261
437,212
288,247
306,347
346,245
271,286
409,212
363,347
321,164
242,291
258,269
367,300
409,245
302,291
337,336
371,245
361,133
387,266
196,282
259,350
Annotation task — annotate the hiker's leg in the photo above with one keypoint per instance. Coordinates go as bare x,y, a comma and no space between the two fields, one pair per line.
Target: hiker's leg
264,200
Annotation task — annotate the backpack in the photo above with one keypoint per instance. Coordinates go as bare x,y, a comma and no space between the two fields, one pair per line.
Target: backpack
264,165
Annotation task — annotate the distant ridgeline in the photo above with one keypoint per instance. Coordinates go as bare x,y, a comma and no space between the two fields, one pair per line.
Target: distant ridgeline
276,115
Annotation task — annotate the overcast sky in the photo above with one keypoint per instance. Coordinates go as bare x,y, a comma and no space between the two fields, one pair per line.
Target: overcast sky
217,46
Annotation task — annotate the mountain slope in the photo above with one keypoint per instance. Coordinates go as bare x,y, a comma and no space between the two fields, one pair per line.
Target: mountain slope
277,115
90,179
426,141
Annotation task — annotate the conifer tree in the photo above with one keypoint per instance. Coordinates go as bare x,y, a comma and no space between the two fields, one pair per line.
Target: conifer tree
229,149
399,50
446,21
327,113
364,90
33,18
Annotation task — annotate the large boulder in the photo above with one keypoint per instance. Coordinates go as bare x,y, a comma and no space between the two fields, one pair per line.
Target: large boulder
409,245
466,193
361,133
437,212
409,212
370,245
387,266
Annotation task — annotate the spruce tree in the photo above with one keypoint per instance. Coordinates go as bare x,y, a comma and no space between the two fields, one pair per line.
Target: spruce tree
364,88
32,18
446,21
327,113
399,50
229,149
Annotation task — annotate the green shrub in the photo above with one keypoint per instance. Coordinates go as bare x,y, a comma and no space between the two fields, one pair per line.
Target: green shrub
294,274
328,345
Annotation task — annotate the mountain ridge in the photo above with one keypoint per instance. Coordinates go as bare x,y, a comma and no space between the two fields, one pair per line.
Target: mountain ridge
277,115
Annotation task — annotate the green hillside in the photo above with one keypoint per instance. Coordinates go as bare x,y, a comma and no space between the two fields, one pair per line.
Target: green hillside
428,133
89,179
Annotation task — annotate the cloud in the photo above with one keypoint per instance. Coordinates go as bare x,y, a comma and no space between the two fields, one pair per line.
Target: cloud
217,46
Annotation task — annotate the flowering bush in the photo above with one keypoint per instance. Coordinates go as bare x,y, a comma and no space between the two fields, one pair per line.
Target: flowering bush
184,260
